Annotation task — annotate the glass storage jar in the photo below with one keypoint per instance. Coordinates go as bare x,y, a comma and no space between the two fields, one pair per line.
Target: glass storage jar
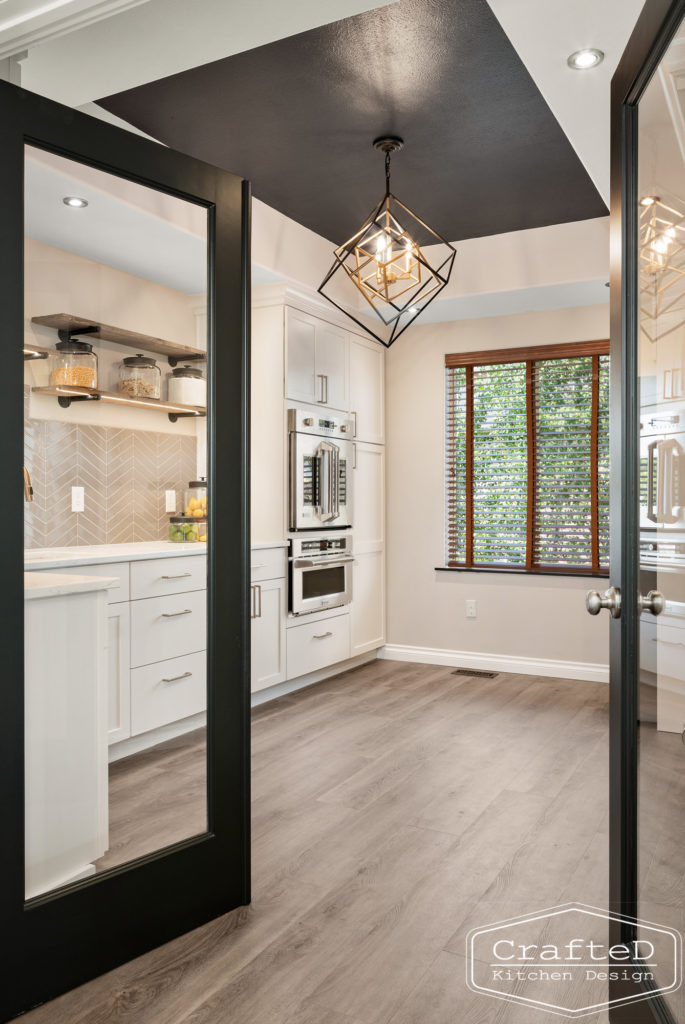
183,530
74,364
140,377
187,386
196,499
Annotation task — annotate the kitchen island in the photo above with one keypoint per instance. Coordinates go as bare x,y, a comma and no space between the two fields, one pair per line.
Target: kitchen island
65,727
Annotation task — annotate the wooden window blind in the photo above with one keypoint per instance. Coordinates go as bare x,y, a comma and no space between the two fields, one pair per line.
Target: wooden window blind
527,458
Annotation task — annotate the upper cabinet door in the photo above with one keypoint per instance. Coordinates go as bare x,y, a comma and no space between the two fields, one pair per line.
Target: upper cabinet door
301,380
367,386
317,358
332,348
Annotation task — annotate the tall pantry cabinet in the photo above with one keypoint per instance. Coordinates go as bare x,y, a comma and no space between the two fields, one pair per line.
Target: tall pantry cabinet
304,354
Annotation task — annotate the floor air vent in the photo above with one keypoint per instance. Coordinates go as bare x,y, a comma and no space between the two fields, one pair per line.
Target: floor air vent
478,673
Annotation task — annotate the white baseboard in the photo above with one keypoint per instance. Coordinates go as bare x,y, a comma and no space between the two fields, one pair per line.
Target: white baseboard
281,689
590,671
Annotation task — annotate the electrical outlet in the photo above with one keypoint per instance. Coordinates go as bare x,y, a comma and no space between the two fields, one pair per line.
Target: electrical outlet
78,499
471,610
170,497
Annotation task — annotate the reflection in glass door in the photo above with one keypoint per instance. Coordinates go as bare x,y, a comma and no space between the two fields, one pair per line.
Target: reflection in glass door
115,524
661,368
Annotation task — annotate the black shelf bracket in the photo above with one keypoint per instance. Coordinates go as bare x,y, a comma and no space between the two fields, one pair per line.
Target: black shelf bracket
66,400
199,357
68,335
173,416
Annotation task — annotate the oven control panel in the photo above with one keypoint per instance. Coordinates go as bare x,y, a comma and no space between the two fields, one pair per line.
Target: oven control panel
301,421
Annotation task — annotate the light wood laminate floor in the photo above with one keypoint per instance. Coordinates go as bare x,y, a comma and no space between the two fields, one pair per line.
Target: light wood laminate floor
394,807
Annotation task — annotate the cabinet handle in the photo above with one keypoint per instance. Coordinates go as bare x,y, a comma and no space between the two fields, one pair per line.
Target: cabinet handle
173,679
325,379
354,464
258,611
172,615
354,428
322,400
321,636
259,565
180,576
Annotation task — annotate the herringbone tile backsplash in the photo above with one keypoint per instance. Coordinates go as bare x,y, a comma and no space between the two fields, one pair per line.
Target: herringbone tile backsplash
125,474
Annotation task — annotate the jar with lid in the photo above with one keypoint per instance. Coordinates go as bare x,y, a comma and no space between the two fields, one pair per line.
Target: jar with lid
140,377
187,386
74,364
196,499
183,530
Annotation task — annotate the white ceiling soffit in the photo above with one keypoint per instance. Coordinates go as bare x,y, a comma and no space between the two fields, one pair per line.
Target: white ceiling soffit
125,225
157,38
25,23
545,33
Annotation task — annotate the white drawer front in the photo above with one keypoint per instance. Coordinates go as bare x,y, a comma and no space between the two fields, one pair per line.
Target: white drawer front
316,645
268,564
670,647
168,691
113,570
167,627
157,576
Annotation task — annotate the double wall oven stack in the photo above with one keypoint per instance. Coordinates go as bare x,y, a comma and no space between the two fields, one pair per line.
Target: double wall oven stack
320,506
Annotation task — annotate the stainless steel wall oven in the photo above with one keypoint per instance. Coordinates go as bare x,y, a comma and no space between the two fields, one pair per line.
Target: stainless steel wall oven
320,572
320,486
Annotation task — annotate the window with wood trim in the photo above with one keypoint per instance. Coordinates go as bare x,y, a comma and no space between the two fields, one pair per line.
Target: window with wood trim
527,459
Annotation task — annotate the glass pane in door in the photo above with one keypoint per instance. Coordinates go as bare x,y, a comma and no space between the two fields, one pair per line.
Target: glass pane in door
115,524
661,734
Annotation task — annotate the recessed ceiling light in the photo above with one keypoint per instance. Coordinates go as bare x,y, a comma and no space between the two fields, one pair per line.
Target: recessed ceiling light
583,60
75,201
649,200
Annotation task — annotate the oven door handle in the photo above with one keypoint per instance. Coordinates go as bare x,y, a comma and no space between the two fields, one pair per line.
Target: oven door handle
328,455
308,563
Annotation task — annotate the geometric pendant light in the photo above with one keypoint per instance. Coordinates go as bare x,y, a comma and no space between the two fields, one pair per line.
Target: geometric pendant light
396,263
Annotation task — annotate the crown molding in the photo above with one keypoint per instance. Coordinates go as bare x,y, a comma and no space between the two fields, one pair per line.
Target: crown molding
42,22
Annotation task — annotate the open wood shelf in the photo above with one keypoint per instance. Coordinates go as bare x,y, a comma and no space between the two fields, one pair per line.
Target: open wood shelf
66,394
36,352
67,325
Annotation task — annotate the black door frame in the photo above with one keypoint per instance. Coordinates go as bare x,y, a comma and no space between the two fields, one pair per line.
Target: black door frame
654,30
57,941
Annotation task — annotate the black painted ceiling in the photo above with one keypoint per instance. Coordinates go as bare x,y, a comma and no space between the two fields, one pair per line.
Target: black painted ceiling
483,153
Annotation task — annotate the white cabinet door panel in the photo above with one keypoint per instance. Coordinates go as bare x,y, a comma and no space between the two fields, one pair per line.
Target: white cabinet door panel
332,347
301,381
367,390
118,672
168,627
369,497
268,633
368,602
156,576
168,691
316,645
268,564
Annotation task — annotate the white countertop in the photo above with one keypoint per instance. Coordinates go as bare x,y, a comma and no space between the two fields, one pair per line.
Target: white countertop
43,584
93,554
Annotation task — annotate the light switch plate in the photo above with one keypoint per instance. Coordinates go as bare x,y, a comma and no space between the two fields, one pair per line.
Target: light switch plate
471,610
170,497
78,499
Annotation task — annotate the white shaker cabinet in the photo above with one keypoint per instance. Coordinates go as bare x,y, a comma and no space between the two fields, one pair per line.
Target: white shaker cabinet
269,609
317,361
368,604
367,386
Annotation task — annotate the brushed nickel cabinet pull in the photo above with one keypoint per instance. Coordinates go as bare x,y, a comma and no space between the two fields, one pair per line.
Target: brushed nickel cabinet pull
172,679
321,636
172,615
180,576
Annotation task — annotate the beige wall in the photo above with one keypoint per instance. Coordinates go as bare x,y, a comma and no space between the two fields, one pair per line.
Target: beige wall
532,617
